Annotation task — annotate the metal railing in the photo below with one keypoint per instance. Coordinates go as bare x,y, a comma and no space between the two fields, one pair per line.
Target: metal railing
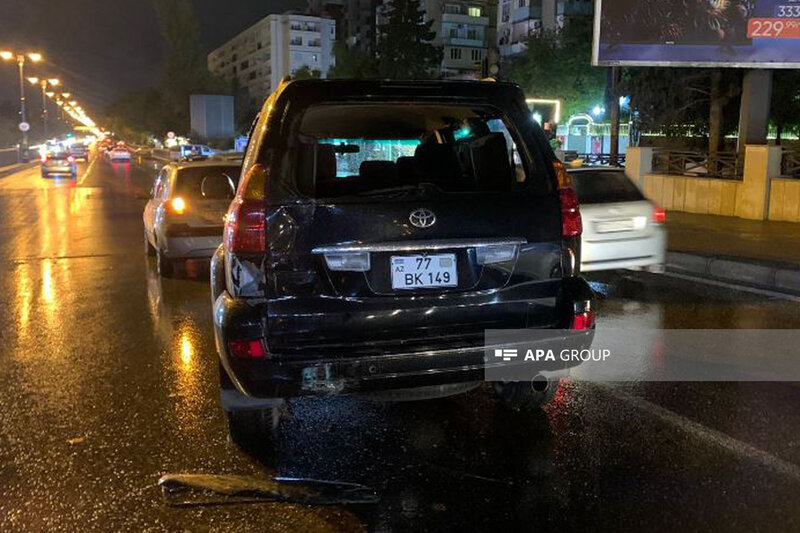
601,160
725,165
790,164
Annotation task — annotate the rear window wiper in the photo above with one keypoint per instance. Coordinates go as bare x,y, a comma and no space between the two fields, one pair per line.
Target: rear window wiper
187,490
421,188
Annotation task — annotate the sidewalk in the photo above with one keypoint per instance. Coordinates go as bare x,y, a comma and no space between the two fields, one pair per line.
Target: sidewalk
753,252
11,169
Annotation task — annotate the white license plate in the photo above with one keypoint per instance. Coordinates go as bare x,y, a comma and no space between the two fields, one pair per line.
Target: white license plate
424,271
613,226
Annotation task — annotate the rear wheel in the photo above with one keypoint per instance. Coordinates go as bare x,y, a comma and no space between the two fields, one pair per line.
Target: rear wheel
526,396
254,429
166,266
250,429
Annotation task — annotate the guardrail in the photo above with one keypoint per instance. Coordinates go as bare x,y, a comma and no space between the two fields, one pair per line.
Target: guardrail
601,160
725,165
790,164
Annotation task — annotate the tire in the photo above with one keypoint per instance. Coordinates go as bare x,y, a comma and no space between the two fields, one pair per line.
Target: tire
255,428
148,248
524,396
166,266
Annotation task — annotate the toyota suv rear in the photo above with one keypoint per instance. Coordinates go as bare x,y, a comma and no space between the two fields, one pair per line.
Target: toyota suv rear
378,230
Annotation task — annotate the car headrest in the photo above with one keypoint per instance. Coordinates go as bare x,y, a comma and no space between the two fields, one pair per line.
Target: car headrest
437,162
378,174
491,162
326,162
406,171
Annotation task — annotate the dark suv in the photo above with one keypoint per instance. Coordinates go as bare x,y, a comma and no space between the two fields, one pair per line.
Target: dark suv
378,230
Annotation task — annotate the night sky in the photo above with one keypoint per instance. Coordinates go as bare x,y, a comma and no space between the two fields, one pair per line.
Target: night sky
104,48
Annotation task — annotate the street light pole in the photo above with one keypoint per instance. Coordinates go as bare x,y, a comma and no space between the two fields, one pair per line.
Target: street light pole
35,57
22,112
43,84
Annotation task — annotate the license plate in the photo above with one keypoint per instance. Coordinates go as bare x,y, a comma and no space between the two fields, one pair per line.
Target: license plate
424,271
613,226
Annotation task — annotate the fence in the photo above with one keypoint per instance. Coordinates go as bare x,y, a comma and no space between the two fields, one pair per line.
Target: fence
725,165
604,160
790,164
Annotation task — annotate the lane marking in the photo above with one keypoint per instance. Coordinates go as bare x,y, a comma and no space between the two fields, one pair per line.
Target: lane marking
706,434
87,171
733,286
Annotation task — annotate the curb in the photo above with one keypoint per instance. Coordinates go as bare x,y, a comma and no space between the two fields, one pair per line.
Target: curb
21,166
764,274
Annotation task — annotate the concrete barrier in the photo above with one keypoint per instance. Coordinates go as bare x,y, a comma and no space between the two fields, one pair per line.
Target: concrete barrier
8,157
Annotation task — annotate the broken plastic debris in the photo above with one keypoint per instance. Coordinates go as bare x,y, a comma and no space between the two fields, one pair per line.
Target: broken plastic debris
181,490
76,441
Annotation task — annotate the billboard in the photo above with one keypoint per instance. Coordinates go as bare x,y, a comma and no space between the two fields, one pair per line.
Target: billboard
697,33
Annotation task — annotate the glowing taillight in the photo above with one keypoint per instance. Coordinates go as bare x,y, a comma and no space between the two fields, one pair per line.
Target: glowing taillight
247,349
583,316
177,205
659,215
571,222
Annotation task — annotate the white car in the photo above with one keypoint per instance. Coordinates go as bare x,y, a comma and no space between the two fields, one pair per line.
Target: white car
621,228
119,153
185,216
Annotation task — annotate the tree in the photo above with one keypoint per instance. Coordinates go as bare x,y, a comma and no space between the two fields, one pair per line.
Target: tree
680,102
186,71
306,73
785,111
352,63
405,50
166,107
557,64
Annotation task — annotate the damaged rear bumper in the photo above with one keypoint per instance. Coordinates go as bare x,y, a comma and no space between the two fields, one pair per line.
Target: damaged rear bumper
347,370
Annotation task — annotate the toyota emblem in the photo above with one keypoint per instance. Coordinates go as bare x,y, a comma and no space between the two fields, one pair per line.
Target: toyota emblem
422,218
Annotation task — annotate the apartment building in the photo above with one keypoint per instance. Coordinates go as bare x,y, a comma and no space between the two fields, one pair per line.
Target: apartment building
465,29
519,19
355,20
274,47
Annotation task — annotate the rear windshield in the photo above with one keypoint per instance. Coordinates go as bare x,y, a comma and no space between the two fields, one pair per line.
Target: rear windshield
357,149
605,187
210,183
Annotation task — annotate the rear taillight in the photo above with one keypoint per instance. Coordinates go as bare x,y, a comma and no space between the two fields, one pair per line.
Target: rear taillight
583,315
247,349
659,215
177,205
571,223
246,227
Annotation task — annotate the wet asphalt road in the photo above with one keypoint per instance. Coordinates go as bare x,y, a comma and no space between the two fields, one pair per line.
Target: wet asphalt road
109,381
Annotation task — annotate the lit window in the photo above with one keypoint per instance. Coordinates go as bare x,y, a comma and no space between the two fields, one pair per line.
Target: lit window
474,11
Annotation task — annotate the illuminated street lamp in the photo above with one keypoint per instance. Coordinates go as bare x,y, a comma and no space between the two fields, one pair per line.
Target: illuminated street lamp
35,57
43,83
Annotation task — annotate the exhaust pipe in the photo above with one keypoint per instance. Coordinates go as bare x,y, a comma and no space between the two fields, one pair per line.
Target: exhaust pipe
540,383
